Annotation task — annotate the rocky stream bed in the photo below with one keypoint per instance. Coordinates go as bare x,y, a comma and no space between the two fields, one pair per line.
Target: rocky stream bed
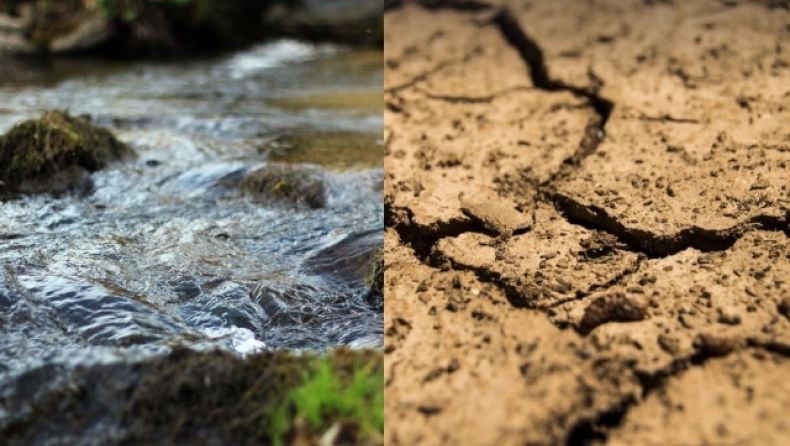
243,219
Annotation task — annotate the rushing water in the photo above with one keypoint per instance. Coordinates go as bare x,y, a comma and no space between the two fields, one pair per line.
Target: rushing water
166,250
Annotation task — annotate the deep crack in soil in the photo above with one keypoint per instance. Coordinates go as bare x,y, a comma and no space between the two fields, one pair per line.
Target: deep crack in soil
653,171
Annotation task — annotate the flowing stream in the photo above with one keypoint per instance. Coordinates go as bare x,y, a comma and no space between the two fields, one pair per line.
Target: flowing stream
166,250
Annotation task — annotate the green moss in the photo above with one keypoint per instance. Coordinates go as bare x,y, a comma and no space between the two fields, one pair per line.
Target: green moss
38,150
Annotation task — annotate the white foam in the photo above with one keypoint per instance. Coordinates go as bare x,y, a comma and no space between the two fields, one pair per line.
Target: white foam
272,55
241,340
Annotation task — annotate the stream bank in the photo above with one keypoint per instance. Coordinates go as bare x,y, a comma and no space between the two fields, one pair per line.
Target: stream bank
134,27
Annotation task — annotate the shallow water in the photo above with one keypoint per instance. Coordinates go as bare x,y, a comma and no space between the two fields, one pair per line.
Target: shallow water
166,251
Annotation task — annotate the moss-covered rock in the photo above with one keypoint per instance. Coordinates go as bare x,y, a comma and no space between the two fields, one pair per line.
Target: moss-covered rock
285,183
55,153
375,281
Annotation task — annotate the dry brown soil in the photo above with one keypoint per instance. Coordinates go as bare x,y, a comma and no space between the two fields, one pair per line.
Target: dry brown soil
587,207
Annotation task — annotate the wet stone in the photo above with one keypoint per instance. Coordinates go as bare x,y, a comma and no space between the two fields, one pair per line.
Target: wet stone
283,183
375,282
55,153
350,259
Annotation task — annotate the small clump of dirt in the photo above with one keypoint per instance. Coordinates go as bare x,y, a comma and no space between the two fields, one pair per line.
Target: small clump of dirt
714,345
285,183
599,245
613,307
55,153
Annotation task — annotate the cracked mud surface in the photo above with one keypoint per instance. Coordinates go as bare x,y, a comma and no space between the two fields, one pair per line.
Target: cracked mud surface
587,209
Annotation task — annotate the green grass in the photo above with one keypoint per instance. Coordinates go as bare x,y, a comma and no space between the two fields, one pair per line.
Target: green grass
326,396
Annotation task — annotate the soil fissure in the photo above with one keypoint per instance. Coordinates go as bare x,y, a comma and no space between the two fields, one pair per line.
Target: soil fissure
592,217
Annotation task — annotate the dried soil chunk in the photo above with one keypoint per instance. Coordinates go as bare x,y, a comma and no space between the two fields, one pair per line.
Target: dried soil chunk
497,217
438,50
737,293
539,268
689,292
437,150
663,200
443,359
462,116
671,172
784,306
692,165
53,153
740,399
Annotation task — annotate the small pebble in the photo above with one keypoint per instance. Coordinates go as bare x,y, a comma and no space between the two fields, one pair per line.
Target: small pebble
761,183
669,344
729,316
712,345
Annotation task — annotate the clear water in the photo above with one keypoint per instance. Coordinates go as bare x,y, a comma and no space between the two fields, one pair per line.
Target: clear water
166,250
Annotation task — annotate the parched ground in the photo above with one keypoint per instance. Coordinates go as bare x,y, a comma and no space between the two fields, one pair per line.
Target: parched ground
587,209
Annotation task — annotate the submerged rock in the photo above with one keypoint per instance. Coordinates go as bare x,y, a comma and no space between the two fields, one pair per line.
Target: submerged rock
55,153
350,259
297,184
375,282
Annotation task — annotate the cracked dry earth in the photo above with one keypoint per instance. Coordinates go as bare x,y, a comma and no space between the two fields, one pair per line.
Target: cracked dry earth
587,209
